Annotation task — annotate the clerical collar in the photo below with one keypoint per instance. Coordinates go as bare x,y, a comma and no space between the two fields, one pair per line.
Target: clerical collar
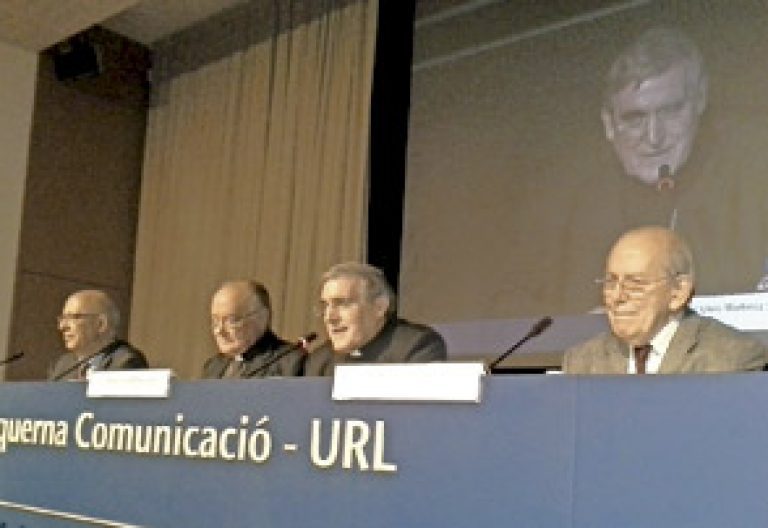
268,341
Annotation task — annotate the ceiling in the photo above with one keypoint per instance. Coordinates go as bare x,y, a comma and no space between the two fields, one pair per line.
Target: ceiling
37,24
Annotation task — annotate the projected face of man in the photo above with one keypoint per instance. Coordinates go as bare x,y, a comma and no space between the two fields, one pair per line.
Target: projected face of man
653,123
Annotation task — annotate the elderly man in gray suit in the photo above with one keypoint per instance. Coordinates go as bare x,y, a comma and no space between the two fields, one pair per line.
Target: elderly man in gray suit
649,280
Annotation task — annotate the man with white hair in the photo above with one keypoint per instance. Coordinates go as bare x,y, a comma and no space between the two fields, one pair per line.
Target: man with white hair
648,282
88,324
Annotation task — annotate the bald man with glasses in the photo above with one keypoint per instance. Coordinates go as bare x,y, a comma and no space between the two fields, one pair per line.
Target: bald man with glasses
241,316
648,282
88,324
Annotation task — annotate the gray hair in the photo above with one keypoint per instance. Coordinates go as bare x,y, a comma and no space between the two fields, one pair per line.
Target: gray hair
679,257
101,304
653,53
376,284
256,292
673,249
259,291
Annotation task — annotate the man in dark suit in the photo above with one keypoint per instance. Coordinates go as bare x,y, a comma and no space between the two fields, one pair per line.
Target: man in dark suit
88,324
358,310
648,282
241,316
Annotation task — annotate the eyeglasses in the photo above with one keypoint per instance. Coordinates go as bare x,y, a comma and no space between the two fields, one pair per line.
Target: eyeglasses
232,321
72,317
632,285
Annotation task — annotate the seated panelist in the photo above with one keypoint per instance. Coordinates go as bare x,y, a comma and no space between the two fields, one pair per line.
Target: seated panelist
88,324
648,283
241,317
357,307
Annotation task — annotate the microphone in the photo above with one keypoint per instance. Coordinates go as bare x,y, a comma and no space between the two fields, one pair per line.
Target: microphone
305,341
302,344
12,358
664,180
76,366
541,325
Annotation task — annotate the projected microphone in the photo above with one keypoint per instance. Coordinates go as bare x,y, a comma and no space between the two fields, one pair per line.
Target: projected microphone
11,359
541,325
302,344
665,181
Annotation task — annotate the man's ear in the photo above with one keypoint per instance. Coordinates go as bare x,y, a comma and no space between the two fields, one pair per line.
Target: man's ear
682,291
381,305
266,317
103,324
610,131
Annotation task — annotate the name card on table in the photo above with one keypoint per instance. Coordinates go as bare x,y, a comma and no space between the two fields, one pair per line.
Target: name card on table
744,311
139,383
427,382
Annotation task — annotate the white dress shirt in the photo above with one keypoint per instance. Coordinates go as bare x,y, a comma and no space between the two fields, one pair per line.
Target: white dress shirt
659,345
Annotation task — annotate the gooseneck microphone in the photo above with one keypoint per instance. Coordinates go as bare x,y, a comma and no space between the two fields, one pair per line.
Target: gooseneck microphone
75,366
665,181
305,341
302,344
541,325
12,358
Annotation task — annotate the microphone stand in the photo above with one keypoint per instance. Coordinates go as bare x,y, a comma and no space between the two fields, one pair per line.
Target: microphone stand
76,366
300,345
12,358
541,325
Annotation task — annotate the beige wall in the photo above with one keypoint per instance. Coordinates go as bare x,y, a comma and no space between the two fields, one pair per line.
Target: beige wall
81,196
17,89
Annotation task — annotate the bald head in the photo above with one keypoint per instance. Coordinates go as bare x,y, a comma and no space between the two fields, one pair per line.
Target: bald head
88,322
649,280
240,315
668,251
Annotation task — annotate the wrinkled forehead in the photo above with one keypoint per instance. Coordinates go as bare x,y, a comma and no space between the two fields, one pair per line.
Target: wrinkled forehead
638,256
344,286
233,300
80,303
656,91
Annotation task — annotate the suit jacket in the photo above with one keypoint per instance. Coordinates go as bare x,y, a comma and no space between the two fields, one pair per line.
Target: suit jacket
256,360
118,355
398,341
700,344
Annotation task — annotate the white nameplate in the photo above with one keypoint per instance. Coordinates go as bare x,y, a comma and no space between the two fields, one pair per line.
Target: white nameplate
139,383
744,311
442,382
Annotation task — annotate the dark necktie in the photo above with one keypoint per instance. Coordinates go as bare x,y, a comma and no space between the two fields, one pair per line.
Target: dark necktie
641,357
